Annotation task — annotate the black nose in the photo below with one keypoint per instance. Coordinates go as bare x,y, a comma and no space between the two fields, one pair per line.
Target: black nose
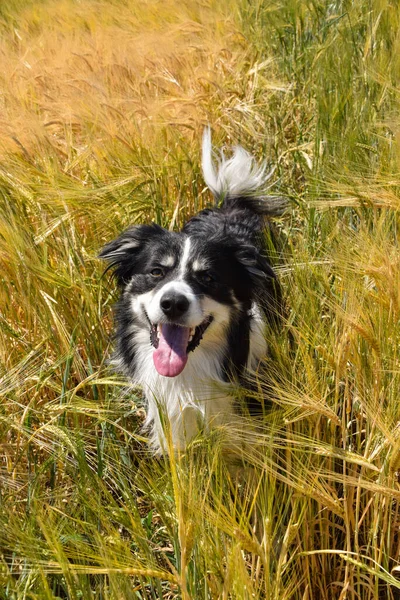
174,305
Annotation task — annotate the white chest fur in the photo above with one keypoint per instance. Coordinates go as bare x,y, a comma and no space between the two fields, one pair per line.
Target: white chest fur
179,407
197,399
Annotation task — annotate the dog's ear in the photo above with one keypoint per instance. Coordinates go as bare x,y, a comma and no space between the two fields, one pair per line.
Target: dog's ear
267,289
255,264
123,253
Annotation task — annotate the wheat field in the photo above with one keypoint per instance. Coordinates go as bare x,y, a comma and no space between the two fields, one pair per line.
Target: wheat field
103,104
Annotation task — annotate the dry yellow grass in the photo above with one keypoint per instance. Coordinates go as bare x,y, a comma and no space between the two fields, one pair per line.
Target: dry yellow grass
87,77
102,110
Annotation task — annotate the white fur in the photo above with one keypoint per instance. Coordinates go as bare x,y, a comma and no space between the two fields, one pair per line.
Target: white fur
167,261
184,258
197,399
200,264
258,344
234,177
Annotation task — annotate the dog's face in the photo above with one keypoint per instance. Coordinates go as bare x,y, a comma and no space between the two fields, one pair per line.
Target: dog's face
182,287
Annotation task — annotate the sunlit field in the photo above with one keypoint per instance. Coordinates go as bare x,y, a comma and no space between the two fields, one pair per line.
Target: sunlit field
103,105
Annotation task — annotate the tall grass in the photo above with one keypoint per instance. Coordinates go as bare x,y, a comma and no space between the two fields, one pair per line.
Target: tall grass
103,106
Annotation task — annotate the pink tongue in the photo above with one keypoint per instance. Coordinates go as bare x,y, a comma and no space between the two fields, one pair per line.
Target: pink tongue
170,357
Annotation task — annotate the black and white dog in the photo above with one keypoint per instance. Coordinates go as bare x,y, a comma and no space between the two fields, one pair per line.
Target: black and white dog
191,317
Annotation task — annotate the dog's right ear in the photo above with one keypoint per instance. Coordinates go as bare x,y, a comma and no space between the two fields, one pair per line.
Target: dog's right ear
123,253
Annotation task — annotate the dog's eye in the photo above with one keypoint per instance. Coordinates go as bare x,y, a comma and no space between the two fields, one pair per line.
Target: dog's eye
157,272
205,277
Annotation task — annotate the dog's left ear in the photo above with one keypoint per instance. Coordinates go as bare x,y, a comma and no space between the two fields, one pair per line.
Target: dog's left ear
123,254
256,265
267,288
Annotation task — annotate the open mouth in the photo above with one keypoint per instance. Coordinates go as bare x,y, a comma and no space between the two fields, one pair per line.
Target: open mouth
172,344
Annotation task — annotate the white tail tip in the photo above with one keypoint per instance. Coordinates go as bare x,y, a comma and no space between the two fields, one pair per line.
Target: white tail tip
237,176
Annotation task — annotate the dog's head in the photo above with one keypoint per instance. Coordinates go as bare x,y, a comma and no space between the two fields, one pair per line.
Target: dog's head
183,287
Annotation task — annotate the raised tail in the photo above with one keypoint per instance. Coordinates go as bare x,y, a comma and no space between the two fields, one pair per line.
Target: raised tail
239,181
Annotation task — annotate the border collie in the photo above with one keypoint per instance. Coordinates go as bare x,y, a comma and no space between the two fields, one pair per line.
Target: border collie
193,306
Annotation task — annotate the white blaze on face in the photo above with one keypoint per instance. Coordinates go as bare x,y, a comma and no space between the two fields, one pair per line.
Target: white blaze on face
185,258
